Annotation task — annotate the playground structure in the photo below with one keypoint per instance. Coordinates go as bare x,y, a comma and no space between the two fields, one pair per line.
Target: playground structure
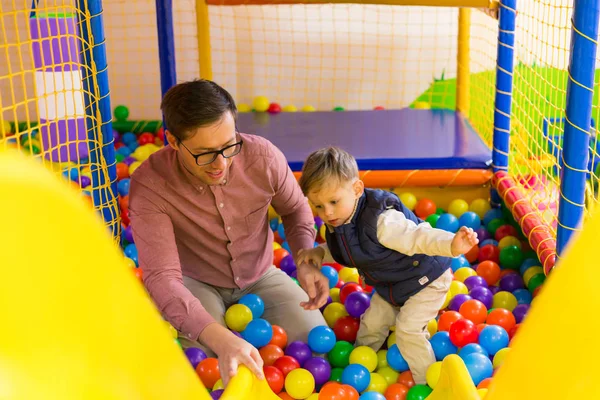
462,80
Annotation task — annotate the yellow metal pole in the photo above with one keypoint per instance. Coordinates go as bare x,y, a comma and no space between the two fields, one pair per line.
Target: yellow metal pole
203,30
463,81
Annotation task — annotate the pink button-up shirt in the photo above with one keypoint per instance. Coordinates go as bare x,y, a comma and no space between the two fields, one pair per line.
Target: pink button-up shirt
215,234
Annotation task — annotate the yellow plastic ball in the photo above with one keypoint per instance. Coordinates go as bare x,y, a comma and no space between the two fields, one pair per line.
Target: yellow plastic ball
480,207
299,383
409,200
388,374
458,207
334,293
134,165
322,231
243,108
172,329
276,246
500,356
421,105
433,374
272,213
5,129
260,104
314,396
308,108
457,287
333,312
377,384
531,272
432,327
237,317
218,385
505,300
463,273
482,393
130,263
391,340
364,356
348,274
289,108
509,241
381,359
447,300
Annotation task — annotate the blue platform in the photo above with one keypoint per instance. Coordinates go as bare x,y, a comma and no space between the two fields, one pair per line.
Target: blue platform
405,139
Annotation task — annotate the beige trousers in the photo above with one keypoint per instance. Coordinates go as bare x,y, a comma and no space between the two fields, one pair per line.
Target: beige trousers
411,322
280,294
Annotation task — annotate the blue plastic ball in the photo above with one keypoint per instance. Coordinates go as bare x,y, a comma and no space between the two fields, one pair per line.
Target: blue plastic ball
356,376
442,346
258,332
331,274
254,303
321,339
470,220
493,338
447,222
459,262
395,359
479,366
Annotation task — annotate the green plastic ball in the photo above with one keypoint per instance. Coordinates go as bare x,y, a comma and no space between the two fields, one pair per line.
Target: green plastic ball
432,219
121,113
339,356
494,225
511,257
418,392
336,374
338,108
535,281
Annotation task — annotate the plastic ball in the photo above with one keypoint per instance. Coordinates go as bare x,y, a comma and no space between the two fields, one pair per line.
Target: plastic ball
511,257
298,350
279,336
504,300
447,222
357,303
418,392
287,264
258,332
463,332
508,241
254,303
500,357
377,386
321,339
286,364
480,207
299,383
290,108
479,367
274,378
338,108
421,105
243,108
458,207
356,376
482,234
473,310
364,356
346,328
459,262
260,103
493,338
490,271
432,220
237,317
523,296
482,294
432,327
395,359
195,355
319,369
270,353
333,312
121,113
409,200
472,348
396,391
331,274
274,108
463,273
433,374
339,356
457,301
308,108
348,275
208,371
475,281
424,208
470,220
494,225
511,282
442,345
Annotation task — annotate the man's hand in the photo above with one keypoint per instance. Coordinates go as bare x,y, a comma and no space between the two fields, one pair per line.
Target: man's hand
312,256
463,241
315,284
231,352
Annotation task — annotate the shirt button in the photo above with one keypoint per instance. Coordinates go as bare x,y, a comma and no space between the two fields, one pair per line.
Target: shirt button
237,278
221,205
228,228
415,263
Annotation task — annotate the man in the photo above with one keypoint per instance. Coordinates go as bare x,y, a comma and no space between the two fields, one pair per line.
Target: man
198,210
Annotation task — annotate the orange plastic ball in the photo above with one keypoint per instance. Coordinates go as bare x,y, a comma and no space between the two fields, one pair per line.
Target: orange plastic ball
447,319
406,379
490,271
474,310
424,208
208,371
278,255
396,391
351,393
270,353
122,171
279,337
501,317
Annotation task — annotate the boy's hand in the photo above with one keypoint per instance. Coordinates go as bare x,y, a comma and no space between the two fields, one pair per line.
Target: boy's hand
463,241
314,283
312,256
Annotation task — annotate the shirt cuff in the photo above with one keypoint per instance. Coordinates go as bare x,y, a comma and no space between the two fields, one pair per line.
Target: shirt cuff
198,319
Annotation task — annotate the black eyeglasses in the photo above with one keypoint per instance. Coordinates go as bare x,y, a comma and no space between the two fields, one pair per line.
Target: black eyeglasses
210,156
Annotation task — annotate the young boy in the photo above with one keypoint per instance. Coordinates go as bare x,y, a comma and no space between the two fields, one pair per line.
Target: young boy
404,259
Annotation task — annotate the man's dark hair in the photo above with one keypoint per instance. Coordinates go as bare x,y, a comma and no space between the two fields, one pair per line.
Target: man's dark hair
191,105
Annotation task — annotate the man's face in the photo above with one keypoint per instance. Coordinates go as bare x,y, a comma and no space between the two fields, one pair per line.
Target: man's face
213,137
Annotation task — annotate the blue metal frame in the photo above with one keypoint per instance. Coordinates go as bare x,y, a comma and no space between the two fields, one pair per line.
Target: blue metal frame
580,90
166,47
95,75
504,89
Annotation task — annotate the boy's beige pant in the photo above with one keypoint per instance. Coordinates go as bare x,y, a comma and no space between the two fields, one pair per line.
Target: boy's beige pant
411,321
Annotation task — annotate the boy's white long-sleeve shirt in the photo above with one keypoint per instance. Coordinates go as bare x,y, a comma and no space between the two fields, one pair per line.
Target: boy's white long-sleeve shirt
398,233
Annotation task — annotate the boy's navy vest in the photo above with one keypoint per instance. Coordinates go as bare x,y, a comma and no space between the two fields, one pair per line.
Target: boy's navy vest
395,276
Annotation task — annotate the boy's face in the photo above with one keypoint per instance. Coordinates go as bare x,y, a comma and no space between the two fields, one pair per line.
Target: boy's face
209,138
335,202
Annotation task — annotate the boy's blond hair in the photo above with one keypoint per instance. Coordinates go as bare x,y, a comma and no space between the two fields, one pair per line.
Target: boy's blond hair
330,164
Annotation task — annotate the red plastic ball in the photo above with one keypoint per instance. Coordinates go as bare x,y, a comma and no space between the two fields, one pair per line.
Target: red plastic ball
348,288
346,328
463,332
286,364
489,252
274,378
274,108
505,230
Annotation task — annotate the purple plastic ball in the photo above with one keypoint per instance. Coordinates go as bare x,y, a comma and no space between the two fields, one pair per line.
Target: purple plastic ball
318,222
85,181
287,264
195,355
329,301
357,303
129,160
511,282
458,301
128,234
216,394
483,234
116,135
475,281
294,274
484,295
494,289
238,334
520,312
299,350
319,369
